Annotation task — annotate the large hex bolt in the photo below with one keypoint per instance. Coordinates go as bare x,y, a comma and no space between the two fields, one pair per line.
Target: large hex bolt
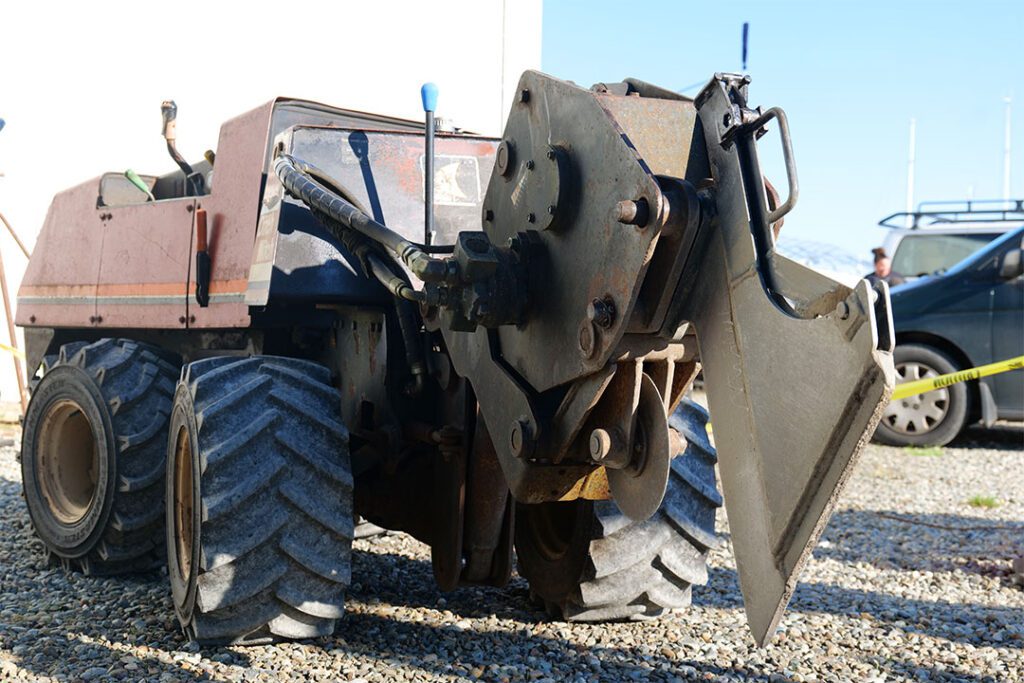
632,212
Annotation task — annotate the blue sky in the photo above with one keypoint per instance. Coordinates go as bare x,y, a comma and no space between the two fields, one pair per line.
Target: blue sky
850,75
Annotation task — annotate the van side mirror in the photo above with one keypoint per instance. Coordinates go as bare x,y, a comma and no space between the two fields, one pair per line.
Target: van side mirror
1012,265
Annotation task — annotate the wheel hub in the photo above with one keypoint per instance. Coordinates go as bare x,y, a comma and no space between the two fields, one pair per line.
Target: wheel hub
68,462
183,502
918,414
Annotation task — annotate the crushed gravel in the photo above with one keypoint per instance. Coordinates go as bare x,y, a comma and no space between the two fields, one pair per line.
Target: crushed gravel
910,582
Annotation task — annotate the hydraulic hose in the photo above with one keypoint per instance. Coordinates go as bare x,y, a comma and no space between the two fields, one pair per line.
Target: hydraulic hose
407,312
408,324
407,300
390,274
394,284
296,177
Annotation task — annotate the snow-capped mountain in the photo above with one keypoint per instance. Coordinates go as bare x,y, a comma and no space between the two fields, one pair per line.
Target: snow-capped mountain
836,262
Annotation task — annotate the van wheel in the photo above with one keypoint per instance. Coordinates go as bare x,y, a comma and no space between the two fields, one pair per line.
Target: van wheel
930,419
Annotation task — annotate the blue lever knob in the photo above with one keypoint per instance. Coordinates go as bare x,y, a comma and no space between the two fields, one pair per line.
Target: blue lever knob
3,123
428,93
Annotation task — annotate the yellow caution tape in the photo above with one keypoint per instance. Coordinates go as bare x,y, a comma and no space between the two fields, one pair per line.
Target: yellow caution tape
18,353
922,386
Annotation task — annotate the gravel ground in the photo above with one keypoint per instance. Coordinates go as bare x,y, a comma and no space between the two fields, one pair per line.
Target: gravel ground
910,581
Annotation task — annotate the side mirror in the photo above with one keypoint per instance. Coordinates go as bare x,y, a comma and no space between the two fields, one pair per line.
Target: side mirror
1012,265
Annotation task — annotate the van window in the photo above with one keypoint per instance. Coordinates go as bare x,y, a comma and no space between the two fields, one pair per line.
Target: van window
925,254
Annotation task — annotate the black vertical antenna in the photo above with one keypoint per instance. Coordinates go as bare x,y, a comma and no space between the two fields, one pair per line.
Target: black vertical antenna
746,32
428,93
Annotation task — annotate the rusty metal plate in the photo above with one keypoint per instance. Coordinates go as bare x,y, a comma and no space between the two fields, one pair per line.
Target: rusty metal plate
570,165
382,173
59,286
144,263
666,133
232,206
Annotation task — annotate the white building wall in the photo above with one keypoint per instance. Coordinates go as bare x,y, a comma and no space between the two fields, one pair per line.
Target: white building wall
81,83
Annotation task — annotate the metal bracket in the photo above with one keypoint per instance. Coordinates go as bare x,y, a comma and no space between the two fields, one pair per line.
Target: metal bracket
796,366
787,155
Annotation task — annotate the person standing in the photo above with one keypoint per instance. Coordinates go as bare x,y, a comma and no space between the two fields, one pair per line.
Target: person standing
883,269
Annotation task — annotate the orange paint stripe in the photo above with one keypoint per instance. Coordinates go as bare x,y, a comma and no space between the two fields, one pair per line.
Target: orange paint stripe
227,286
148,289
57,290
136,289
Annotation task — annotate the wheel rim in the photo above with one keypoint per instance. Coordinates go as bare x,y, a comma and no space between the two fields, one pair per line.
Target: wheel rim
183,502
68,462
921,413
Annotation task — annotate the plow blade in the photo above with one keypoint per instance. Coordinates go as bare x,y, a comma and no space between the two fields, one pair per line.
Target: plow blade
797,367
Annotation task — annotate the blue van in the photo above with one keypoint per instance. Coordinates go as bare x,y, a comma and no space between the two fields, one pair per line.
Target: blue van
969,315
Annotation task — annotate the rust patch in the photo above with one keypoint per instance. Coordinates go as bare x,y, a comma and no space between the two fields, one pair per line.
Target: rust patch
593,486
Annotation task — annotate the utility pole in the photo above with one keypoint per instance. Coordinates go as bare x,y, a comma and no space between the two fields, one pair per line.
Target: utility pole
910,171
13,350
1006,152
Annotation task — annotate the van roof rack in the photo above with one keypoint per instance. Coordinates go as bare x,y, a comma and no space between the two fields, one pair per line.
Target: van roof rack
967,213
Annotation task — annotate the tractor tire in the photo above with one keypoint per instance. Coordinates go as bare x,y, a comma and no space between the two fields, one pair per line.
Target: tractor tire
586,561
931,419
94,443
259,490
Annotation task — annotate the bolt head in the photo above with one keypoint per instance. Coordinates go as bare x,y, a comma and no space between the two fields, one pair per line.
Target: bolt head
519,437
600,444
587,339
632,212
503,159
